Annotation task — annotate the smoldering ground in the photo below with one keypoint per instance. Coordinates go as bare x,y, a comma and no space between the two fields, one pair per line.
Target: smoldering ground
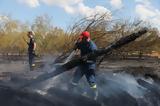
115,89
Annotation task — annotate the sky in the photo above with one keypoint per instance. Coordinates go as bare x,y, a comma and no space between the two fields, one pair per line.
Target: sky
63,12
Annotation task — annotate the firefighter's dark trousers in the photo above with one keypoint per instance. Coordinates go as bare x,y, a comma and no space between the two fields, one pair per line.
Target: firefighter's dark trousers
88,70
31,57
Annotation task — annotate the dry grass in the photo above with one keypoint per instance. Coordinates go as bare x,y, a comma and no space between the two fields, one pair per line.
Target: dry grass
52,40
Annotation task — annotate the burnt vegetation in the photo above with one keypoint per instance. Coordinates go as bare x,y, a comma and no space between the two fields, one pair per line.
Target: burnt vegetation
52,40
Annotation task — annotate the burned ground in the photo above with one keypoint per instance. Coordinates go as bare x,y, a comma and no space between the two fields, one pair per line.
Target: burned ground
120,83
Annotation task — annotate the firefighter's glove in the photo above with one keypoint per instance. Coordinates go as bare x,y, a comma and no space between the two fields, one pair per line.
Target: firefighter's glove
85,58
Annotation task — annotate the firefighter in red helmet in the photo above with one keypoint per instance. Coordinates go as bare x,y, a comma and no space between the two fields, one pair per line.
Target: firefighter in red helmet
86,46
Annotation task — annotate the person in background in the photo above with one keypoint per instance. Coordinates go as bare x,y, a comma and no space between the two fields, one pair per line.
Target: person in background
31,49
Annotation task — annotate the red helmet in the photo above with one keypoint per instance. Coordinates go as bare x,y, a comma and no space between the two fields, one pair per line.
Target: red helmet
86,34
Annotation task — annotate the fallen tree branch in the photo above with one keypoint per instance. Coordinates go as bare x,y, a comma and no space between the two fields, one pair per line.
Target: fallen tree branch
78,61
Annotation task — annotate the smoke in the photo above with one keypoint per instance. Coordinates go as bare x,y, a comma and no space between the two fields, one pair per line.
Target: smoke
126,82
111,86
122,88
